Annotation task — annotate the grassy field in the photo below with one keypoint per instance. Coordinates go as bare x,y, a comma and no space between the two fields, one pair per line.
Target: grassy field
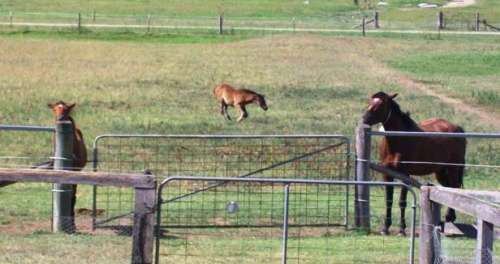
162,83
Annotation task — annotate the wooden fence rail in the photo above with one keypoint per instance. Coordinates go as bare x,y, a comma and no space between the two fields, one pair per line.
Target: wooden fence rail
145,190
482,205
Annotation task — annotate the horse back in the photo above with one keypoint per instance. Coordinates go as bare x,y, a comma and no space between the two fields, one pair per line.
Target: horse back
424,149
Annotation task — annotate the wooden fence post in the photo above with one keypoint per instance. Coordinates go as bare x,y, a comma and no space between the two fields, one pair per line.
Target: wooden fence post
149,23
62,215
478,22
79,22
93,16
376,20
362,195
363,26
426,250
221,22
143,235
484,246
440,20
11,18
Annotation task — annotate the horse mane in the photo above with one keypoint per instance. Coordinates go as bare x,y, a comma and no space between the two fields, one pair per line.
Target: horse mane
406,119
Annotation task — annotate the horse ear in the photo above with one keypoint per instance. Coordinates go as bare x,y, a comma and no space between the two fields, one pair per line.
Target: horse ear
50,106
71,106
393,95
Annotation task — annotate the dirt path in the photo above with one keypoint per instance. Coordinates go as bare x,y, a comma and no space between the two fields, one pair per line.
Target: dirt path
484,115
460,3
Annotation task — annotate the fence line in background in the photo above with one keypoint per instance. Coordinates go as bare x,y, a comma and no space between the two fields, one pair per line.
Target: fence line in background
219,24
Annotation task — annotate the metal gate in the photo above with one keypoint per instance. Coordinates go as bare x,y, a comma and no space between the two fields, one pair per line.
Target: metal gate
240,156
292,209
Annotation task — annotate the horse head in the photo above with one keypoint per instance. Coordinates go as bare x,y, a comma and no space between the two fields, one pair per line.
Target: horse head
261,100
61,110
379,108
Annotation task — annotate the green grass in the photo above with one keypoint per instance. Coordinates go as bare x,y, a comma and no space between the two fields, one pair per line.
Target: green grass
314,83
128,36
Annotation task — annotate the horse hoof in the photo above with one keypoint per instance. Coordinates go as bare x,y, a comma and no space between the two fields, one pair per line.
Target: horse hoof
402,233
451,218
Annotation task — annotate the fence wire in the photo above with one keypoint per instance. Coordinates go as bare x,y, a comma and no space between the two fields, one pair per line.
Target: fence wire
482,163
305,157
26,233
313,235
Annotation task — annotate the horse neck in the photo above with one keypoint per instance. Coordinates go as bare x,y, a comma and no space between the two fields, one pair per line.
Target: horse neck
399,121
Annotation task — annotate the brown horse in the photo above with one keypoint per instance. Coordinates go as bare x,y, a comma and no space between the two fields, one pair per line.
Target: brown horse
239,98
403,154
62,112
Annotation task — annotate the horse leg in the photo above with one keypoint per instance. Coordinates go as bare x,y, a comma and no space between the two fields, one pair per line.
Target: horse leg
454,180
223,110
243,112
402,206
443,177
389,194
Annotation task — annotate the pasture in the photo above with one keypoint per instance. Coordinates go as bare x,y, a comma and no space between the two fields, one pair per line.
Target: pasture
125,82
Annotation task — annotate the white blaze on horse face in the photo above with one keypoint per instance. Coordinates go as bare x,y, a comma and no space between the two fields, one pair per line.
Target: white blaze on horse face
375,102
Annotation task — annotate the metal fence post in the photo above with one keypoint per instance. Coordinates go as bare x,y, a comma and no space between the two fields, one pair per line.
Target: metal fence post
62,215
285,224
362,202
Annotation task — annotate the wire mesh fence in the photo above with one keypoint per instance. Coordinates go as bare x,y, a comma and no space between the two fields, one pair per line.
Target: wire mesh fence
26,230
305,157
312,233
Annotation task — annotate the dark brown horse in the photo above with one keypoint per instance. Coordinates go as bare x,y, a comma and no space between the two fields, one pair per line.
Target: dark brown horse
62,112
239,98
443,156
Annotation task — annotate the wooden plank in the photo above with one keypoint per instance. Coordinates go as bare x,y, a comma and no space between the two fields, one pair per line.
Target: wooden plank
74,177
426,255
467,204
143,236
484,246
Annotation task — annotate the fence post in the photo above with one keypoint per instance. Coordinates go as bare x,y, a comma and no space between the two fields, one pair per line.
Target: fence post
11,18
484,246
149,23
426,227
440,20
478,22
79,22
143,235
376,20
363,26
62,215
362,202
221,22
284,249
93,16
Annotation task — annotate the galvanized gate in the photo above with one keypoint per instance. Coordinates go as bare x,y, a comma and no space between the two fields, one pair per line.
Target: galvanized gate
239,156
292,233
